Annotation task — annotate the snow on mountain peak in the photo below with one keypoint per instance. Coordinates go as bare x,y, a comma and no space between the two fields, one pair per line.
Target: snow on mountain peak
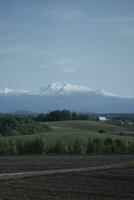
55,86
8,91
4,90
110,94
75,88
58,89
61,89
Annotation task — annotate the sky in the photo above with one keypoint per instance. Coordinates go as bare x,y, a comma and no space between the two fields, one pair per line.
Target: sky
86,42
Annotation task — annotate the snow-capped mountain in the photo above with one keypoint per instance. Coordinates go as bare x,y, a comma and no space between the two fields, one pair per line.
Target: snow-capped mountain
64,96
8,91
58,89
61,89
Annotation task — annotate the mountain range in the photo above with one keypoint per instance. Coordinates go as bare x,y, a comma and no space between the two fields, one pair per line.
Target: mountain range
64,96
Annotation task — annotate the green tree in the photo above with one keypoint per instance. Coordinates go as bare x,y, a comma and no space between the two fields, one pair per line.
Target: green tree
74,116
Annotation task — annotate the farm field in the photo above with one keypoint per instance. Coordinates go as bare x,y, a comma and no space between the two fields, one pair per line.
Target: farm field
67,135
11,164
70,131
89,125
104,184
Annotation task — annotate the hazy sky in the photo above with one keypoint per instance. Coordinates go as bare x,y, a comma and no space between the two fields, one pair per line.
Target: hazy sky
89,42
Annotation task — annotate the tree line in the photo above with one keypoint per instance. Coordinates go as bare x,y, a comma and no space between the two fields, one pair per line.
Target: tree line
39,146
60,115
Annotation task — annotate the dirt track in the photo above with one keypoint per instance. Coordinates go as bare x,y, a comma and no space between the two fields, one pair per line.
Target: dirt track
64,171
35,163
112,184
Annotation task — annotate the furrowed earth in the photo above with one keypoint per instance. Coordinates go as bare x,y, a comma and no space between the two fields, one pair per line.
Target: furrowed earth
111,183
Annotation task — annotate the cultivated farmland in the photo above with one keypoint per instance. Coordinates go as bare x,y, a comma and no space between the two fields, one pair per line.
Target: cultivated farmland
110,184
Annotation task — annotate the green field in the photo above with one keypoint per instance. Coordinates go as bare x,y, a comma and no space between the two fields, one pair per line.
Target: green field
70,131
88,125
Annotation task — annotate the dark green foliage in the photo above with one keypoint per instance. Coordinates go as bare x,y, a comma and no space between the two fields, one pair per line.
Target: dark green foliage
131,147
61,147
121,146
74,116
8,147
109,146
90,148
29,146
12,149
60,115
102,131
82,116
97,146
54,116
13,125
79,147
38,145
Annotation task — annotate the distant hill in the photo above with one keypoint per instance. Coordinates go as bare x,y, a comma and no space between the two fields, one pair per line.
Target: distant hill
24,113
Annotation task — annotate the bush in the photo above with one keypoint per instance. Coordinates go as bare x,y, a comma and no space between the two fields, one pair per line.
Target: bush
37,145
12,149
79,147
97,146
61,147
90,148
131,147
13,125
121,146
109,146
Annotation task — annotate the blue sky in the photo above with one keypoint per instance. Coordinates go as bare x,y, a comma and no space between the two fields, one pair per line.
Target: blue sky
89,42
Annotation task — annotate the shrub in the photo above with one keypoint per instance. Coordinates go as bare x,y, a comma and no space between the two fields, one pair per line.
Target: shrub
131,147
121,146
61,147
97,146
109,146
12,147
90,148
14,125
79,147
